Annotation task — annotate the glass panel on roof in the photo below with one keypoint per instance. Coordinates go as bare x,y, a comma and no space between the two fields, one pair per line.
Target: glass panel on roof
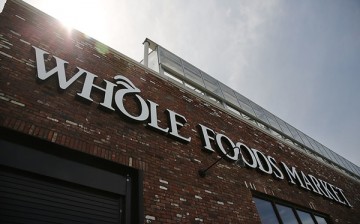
244,103
342,162
212,85
272,120
325,153
283,126
247,108
351,168
229,94
171,61
193,73
315,147
259,112
348,165
358,170
338,159
355,168
295,134
175,67
305,140
242,98
332,155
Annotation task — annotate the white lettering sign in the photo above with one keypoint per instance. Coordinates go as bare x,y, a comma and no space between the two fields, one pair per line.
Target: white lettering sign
147,111
255,159
114,94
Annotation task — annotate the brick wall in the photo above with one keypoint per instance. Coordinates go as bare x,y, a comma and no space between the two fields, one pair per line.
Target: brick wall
173,190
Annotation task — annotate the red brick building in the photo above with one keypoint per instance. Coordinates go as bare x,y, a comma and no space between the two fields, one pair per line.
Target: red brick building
89,135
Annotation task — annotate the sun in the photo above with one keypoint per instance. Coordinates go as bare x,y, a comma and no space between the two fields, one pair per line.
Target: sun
83,15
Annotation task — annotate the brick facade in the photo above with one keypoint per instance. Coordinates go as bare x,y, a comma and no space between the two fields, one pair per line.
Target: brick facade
172,189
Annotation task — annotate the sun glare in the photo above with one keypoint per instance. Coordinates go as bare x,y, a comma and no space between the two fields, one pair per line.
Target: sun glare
82,15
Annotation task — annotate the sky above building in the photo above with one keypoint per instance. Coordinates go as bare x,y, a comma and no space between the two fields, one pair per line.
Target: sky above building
299,60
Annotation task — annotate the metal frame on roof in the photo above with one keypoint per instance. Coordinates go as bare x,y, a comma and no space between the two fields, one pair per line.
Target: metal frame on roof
189,75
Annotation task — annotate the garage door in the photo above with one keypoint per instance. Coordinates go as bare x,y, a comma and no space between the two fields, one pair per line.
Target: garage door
41,187
34,199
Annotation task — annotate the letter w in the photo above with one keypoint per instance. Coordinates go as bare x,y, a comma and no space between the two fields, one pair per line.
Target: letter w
59,69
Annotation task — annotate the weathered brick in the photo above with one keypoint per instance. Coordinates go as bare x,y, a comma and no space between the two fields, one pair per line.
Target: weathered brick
171,181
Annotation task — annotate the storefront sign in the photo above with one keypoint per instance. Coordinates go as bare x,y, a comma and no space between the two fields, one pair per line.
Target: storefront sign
114,94
176,120
255,159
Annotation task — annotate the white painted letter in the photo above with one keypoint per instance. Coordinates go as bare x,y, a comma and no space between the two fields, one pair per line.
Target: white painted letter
205,137
175,124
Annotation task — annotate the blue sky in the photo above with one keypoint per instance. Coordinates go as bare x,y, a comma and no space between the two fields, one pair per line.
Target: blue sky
298,59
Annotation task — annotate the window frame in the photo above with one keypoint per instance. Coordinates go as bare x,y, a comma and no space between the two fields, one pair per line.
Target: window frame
276,201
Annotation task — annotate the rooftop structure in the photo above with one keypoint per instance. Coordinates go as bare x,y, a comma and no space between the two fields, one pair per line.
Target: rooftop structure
182,72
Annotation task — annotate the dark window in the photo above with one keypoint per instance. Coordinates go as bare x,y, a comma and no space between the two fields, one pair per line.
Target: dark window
305,217
277,211
320,220
266,211
286,214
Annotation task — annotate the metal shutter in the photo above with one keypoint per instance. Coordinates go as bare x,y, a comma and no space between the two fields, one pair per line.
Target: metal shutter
30,198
